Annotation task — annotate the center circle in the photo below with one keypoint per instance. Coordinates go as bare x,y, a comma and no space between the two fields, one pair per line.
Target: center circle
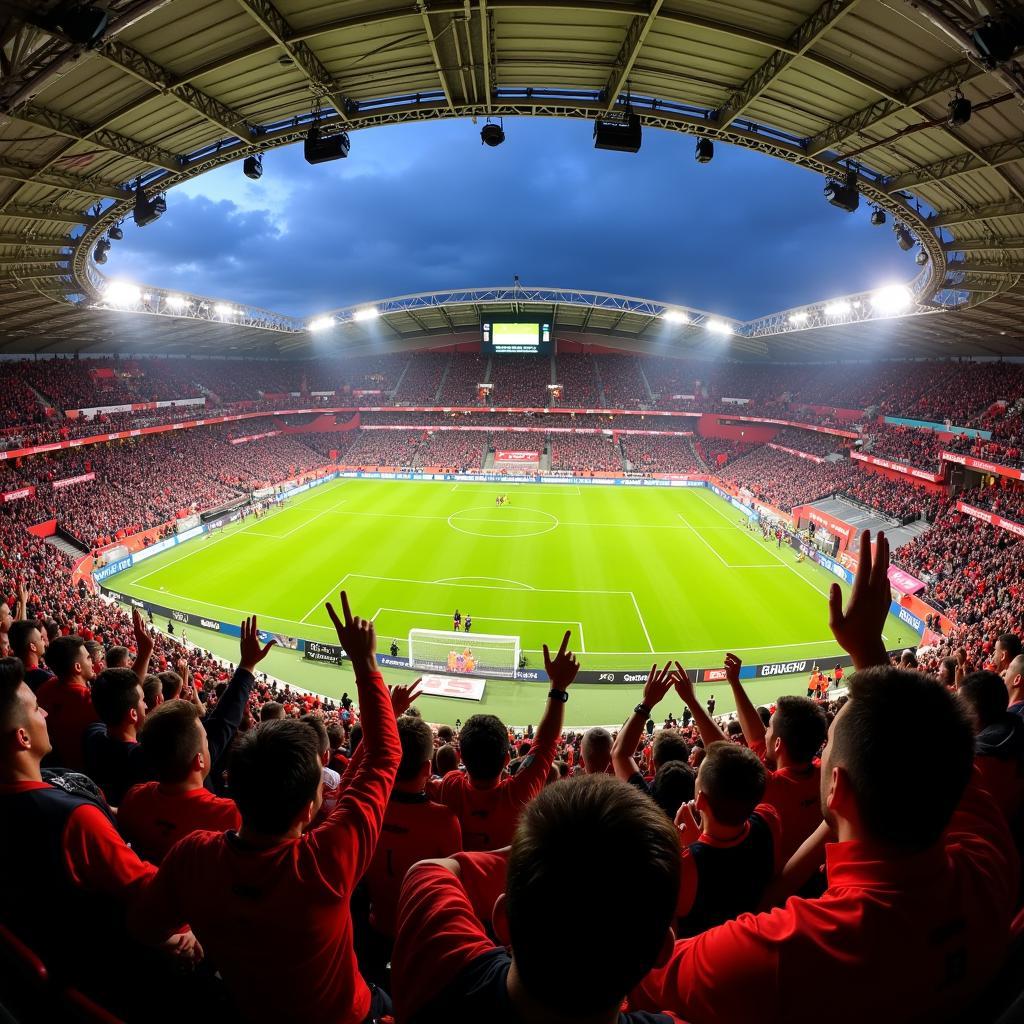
501,522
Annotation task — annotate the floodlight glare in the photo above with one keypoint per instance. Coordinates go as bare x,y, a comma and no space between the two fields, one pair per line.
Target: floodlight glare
798,318
176,301
837,309
675,316
122,293
719,327
223,309
321,323
368,313
894,298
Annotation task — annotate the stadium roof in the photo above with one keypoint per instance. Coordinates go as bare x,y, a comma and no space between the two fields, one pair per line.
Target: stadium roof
175,89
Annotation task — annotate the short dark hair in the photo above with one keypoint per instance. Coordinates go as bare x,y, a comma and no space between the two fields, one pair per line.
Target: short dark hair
63,654
985,696
170,683
950,665
1009,642
669,745
274,773
445,733
12,675
673,785
626,836
732,780
417,745
272,711
117,657
152,691
317,725
171,739
335,735
596,745
907,782
94,647
355,736
114,694
17,635
484,745
446,759
801,724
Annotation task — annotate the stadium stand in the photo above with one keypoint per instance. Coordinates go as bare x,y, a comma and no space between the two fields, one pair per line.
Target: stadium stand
660,454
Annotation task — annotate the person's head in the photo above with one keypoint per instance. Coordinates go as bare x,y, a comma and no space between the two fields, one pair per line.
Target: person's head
323,742
947,672
26,640
733,729
669,745
673,785
176,743
795,733
1007,647
5,616
446,760
68,659
152,691
335,736
97,655
627,837
272,711
888,784
730,783
118,657
24,740
908,660
596,751
276,777
355,737
445,734
985,697
417,747
118,698
1013,677
170,684
484,743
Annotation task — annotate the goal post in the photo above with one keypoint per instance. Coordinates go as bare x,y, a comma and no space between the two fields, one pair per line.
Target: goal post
478,653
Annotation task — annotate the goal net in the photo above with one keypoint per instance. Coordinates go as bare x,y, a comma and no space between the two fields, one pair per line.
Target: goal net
482,653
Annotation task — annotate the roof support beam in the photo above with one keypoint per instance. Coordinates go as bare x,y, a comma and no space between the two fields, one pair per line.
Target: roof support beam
17,171
991,156
991,211
485,45
435,53
273,22
974,283
982,244
30,261
75,129
632,44
799,43
931,85
64,242
35,275
990,267
50,214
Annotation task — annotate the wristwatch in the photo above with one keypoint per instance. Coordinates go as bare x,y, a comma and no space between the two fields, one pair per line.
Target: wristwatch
642,709
562,695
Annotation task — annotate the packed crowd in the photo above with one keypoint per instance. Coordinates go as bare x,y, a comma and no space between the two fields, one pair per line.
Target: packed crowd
913,447
622,382
1008,450
521,381
651,454
811,441
785,480
585,453
899,499
452,450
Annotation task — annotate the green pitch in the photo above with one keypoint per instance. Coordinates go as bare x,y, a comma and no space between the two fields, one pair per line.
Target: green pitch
637,575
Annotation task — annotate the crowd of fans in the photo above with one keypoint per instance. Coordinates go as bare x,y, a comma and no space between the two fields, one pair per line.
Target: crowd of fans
653,454
785,480
814,442
577,374
521,381
622,382
452,450
907,445
899,499
585,453
1008,450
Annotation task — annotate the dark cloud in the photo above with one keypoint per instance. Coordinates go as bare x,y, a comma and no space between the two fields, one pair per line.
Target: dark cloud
425,207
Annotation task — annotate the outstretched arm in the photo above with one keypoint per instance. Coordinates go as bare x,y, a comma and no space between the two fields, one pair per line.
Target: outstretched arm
750,720
623,749
709,731
143,645
858,629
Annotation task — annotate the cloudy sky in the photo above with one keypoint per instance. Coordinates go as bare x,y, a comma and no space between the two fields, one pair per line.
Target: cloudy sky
421,207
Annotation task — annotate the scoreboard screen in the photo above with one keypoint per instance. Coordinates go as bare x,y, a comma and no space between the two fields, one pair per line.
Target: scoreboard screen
516,337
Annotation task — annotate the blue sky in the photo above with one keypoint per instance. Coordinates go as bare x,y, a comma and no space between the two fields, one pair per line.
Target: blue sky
425,206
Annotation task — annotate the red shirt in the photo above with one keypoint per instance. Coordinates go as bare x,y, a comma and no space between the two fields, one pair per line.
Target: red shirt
292,899
796,795
153,820
69,710
489,811
415,828
929,930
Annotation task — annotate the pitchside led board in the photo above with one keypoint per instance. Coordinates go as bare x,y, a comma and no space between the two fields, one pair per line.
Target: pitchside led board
515,336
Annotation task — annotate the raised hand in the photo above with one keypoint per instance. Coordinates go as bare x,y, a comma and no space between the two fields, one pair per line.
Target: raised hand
357,636
143,641
683,685
858,629
403,696
252,653
687,823
732,669
659,682
563,667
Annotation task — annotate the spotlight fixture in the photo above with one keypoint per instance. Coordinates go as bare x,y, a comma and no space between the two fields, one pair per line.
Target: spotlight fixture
843,192
719,327
367,313
619,131
252,166
492,134
836,309
894,298
121,293
176,301
147,210
921,258
878,216
321,323
959,110
319,148
705,151
115,233
99,254
904,239
675,316
798,318
223,309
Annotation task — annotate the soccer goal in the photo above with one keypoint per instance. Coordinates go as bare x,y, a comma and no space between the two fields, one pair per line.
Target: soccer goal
478,653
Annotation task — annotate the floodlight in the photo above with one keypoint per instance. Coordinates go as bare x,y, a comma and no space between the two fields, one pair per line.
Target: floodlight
877,217
252,166
837,309
99,254
492,134
147,210
904,239
321,323
115,233
223,309
176,301
921,258
842,192
319,149
122,293
798,318
959,108
675,316
367,313
705,151
894,298
719,327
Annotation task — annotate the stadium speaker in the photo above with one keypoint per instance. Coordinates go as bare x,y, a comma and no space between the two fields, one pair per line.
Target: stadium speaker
115,233
959,110
705,152
843,193
622,133
319,149
252,167
81,23
492,134
877,217
147,210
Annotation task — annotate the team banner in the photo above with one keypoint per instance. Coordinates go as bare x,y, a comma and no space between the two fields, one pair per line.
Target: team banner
21,492
516,457
69,480
834,526
899,467
902,581
255,437
981,466
795,451
991,518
